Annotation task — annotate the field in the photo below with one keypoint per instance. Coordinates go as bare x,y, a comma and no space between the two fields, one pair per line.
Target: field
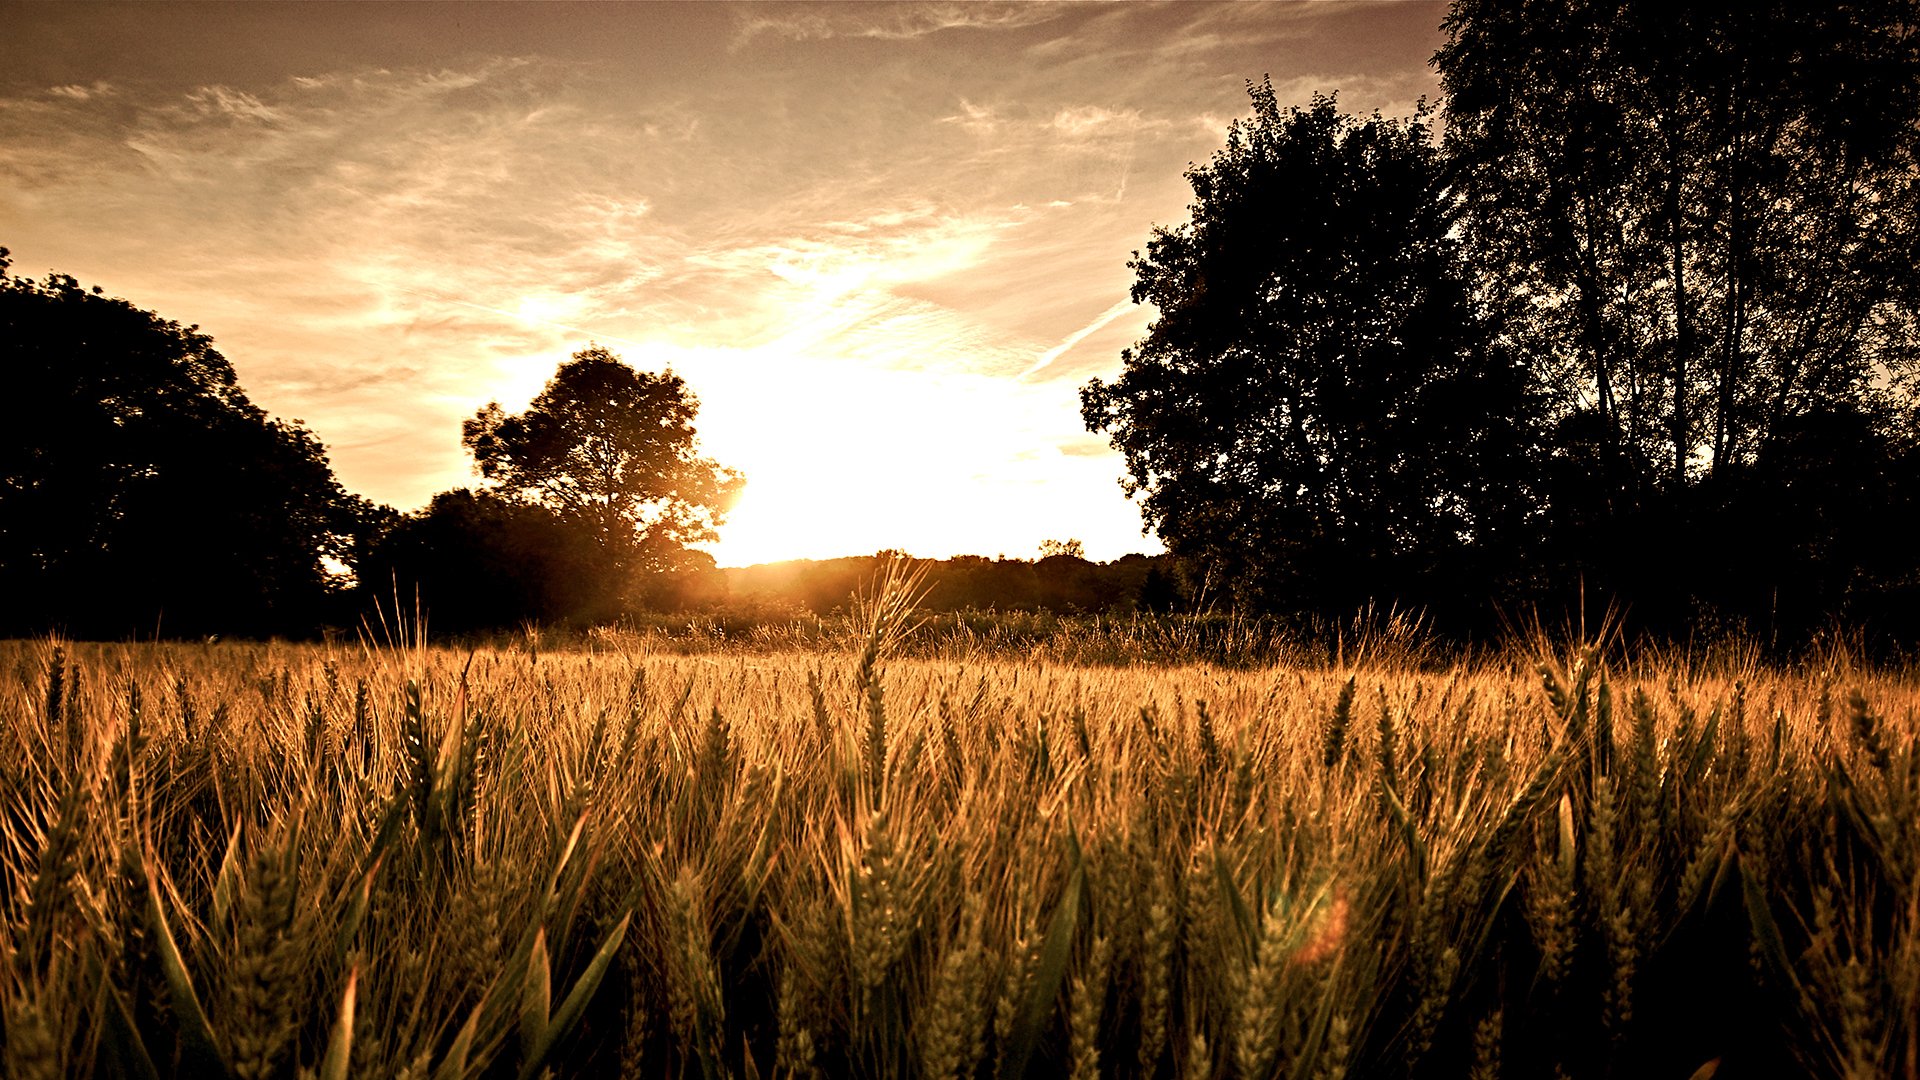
394,860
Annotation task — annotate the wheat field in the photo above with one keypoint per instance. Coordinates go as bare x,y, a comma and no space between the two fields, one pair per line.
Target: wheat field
394,860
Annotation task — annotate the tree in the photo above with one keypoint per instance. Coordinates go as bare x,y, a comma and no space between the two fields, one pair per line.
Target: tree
141,490
1701,220
612,450
1314,417
1705,215
483,561
1070,548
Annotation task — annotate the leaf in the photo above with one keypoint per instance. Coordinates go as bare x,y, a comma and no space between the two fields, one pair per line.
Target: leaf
223,882
200,1055
560,866
448,755
356,912
1766,932
1230,891
574,1006
1568,841
396,813
1705,1072
340,1043
1702,748
1415,846
1042,995
535,997
1847,795
454,1065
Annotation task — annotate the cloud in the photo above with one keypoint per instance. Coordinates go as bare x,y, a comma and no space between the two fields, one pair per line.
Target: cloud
1078,336
77,92
221,101
1085,121
975,119
447,235
384,244
890,22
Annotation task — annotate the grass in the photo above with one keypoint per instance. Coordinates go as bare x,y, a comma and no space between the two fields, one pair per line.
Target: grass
1224,639
271,860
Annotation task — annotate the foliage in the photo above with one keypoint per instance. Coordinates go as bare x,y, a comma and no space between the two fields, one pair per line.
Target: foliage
1314,414
1699,222
255,860
140,490
1072,549
477,560
1662,258
1707,212
611,449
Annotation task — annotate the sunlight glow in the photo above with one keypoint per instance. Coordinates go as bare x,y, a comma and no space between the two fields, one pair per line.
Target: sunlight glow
844,460
548,308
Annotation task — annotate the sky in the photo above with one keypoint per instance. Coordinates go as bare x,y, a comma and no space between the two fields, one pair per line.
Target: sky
883,244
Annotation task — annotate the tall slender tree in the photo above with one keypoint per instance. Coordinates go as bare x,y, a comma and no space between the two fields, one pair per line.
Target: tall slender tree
1701,220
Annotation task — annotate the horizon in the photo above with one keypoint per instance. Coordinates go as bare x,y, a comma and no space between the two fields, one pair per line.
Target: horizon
884,245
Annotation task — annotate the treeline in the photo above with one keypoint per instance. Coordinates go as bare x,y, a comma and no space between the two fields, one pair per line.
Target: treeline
1061,583
1642,326
1640,331
143,495
533,569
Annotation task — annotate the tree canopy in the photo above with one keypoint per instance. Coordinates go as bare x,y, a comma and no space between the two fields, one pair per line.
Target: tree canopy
597,489
612,447
1700,222
1701,217
478,560
1314,413
1644,321
140,490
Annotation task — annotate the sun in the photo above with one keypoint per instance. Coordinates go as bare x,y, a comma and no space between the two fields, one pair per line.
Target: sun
774,521
546,308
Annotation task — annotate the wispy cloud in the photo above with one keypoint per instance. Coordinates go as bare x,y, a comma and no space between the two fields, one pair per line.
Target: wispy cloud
1099,323
77,92
886,22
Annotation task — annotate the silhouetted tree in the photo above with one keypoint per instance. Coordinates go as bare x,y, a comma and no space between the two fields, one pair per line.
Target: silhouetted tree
141,490
1708,209
477,560
612,450
1160,591
1315,415
1073,548
1701,222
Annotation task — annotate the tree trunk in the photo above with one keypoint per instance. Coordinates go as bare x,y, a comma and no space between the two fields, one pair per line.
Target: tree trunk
1682,327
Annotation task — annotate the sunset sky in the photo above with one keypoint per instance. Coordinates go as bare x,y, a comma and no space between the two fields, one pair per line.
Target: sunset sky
884,244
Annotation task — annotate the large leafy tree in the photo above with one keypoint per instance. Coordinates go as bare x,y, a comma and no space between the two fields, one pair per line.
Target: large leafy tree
1701,222
141,490
612,450
1703,216
1314,415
